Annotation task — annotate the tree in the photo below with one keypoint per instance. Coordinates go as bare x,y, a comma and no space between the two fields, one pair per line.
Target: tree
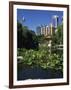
57,39
26,38
19,35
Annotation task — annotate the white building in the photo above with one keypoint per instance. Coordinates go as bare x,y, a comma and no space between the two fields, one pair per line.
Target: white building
55,21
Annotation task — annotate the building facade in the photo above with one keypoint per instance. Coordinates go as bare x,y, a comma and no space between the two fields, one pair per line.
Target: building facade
48,30
55,22
45,30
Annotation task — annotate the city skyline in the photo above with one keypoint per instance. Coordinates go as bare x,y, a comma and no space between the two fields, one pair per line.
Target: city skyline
34,18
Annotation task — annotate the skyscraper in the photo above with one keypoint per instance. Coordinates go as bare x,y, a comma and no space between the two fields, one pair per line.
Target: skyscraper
42,30
51,28
55,22
46,30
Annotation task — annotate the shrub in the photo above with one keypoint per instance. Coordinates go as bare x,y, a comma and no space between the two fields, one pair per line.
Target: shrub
41,58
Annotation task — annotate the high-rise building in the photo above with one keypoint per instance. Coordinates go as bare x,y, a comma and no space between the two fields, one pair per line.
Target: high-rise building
46,31
42,31
55,22
51,28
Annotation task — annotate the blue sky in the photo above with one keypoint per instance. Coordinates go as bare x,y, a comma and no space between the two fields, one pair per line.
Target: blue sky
34,18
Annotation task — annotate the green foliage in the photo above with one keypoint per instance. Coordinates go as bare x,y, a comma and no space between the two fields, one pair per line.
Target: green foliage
19,34
26,38
41,58
40,38
57,37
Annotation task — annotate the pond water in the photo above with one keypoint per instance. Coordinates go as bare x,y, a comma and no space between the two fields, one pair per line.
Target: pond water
24,73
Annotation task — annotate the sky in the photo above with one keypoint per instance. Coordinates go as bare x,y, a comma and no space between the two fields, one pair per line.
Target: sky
34,18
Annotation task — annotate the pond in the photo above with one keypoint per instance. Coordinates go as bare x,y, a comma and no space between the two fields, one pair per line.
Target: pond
24,73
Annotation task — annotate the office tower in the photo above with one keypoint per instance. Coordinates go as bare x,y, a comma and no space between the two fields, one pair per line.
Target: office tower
46,31
55,22
42,30
51,29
